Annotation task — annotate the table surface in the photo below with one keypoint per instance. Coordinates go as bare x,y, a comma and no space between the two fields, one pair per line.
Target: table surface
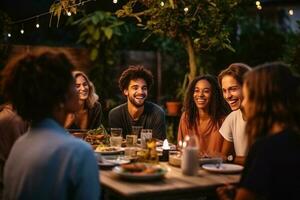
174,185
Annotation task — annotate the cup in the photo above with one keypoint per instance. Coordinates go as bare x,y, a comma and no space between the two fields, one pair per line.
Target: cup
131,139
116,137
146,134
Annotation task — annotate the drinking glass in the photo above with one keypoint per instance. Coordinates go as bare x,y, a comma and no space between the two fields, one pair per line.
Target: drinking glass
146,134
116,137
131,139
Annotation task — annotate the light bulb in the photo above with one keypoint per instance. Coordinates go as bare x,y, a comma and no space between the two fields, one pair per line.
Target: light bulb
186,9
291,12
22,31
257,3
162,4
115,1
259,7
69,13
37,25
8,35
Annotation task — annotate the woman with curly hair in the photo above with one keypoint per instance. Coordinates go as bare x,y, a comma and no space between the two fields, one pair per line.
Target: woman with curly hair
89,115
205,110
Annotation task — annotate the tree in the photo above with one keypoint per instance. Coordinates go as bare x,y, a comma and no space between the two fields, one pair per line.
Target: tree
198,25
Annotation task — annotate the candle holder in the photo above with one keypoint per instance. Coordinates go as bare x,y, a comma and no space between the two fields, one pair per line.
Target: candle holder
165,155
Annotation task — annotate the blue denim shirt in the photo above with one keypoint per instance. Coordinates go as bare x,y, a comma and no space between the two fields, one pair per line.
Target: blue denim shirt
49,163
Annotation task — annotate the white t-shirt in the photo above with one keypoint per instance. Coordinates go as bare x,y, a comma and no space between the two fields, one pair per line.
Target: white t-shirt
233,130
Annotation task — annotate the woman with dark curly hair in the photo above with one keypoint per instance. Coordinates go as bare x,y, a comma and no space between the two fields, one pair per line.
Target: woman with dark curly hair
205,110
90,113
46,162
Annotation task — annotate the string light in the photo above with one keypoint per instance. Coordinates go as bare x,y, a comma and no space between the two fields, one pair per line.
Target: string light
115,1
46,13
186,9
291,12
258,5
69,13
162,4
8,35
37,25
22,29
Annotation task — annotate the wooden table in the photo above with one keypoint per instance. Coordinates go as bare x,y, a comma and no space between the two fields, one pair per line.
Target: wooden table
174,186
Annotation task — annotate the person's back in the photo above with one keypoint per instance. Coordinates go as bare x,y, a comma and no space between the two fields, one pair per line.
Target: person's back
275,174
52,165
46,162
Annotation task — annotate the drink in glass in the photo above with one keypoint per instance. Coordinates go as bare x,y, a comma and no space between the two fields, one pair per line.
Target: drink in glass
131,139
146,134
116,137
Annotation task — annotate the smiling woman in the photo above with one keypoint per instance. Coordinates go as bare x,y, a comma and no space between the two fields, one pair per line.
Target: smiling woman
205,110
90,114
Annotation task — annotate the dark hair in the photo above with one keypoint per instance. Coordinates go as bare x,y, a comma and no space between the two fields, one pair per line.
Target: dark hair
133,73
273,96
236,70
217,109
37,82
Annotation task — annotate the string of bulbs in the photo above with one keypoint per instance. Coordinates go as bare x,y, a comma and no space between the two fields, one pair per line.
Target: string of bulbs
36,17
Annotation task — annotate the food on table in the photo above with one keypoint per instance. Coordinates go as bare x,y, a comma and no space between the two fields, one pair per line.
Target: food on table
106,149
141,169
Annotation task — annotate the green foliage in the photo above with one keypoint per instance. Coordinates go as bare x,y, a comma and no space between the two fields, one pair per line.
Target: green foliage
98,28
204,21
292,53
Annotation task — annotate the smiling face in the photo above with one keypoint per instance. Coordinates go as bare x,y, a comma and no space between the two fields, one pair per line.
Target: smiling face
232,92
82,87
202,94
137,92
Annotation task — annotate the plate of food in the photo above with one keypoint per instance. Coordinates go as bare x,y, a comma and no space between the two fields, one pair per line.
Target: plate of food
107,150
140,172
111,161
223,168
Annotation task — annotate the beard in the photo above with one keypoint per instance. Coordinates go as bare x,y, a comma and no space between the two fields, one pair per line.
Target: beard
135,103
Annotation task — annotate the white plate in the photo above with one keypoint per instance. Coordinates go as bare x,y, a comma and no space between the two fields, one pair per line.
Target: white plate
223,168
116,150
210,160
137,176
111,161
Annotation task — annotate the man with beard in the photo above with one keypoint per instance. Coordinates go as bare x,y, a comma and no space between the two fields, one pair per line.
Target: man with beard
134,83
233,128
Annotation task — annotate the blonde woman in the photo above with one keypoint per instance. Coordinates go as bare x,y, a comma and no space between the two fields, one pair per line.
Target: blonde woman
89,115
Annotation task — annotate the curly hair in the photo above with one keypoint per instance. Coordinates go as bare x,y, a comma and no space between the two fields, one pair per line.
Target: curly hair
35,83
133,73
236,70
217,108
273,97
92,97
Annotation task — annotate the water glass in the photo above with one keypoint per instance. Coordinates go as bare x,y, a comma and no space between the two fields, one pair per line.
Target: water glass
131,139
146,134
116,137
